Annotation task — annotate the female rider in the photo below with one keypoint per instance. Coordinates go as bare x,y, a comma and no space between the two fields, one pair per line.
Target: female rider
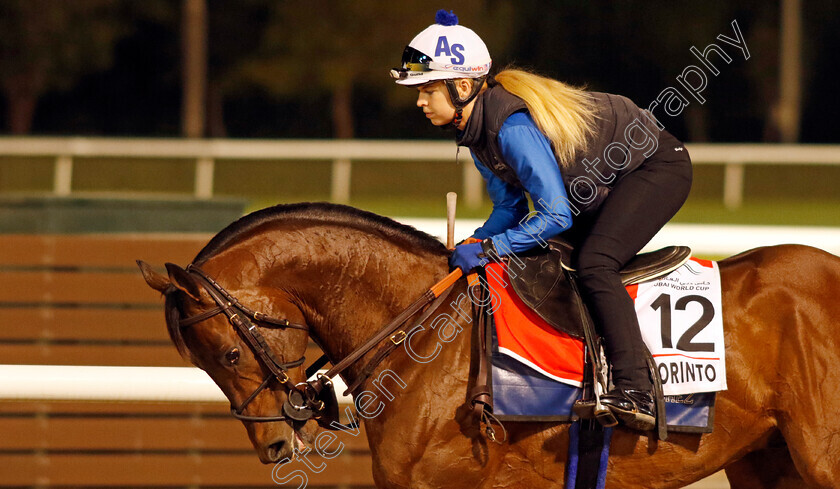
594,164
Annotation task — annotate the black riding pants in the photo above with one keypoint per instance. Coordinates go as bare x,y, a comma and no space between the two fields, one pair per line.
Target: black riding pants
633,212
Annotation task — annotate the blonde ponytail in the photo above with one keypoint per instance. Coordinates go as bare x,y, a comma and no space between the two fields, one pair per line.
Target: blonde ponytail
565,114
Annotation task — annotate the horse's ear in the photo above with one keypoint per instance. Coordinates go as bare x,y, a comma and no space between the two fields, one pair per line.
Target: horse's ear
181,279
155,280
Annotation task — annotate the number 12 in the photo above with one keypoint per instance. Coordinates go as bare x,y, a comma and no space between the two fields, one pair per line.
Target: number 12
663,303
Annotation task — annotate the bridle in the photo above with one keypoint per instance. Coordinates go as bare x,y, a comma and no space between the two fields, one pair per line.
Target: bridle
316,398
244,322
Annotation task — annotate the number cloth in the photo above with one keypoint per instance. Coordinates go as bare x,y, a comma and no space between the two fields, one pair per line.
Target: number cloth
680,316
527,338
681,322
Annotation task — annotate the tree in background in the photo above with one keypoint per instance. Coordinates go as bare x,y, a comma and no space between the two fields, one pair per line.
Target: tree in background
663,45
235,32
193,68
47,45
332,46
635,51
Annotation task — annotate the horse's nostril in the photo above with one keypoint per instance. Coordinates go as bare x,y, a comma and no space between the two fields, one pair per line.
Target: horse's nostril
275,450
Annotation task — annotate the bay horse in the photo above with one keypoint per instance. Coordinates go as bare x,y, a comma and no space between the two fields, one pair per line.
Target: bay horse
343,273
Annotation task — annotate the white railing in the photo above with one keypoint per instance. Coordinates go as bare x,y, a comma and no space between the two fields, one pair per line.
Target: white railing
342,153
705,240
114,384
735,157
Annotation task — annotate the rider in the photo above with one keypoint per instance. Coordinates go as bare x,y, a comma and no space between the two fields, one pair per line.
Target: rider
594,164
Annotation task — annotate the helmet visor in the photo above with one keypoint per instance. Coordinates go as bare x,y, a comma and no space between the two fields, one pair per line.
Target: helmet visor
414,61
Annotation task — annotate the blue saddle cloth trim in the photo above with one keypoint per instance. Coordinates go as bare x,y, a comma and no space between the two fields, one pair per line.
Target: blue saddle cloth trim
690,413
520,393
519,390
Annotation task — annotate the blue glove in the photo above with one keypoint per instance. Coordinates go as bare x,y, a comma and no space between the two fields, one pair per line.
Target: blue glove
466,257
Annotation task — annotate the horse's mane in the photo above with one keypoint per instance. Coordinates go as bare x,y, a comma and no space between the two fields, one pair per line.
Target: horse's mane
320,213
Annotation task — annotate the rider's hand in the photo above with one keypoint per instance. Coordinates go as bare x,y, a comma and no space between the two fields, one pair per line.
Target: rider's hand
466,257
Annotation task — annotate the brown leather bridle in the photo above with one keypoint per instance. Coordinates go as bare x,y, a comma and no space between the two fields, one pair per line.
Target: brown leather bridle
244,321
316,398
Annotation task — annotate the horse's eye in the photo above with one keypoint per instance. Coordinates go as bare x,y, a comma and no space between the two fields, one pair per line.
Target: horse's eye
232,356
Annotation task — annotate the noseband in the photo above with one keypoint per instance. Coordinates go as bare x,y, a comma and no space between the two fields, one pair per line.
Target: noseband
307,399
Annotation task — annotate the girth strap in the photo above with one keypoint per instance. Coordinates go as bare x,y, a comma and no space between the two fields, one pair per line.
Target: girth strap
480,395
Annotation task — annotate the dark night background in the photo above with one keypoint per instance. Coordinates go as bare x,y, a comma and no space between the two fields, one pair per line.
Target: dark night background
261,81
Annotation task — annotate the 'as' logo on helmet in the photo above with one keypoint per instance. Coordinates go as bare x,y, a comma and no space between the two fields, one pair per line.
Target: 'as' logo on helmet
455,51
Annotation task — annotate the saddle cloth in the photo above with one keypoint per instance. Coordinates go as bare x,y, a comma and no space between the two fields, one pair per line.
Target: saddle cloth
537,371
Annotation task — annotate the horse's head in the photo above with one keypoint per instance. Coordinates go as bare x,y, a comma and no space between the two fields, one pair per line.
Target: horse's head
340,272
203,333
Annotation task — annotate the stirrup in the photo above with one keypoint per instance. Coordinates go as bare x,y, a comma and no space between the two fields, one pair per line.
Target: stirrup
586,410
605,416
594,409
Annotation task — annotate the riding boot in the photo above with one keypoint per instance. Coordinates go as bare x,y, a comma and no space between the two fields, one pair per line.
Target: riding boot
634,407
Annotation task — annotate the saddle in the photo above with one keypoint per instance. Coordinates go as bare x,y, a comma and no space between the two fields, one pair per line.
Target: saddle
546,283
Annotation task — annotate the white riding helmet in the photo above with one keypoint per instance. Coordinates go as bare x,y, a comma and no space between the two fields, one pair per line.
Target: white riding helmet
443,51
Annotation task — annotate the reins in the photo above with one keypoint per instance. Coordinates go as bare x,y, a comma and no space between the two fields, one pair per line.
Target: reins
305,400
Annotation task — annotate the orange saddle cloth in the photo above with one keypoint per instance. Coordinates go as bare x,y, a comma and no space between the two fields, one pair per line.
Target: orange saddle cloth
526,337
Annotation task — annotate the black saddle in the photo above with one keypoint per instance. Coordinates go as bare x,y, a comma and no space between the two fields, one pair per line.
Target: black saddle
545,283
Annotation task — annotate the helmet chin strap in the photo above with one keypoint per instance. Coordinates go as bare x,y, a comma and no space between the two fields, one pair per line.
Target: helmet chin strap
460,103
459,116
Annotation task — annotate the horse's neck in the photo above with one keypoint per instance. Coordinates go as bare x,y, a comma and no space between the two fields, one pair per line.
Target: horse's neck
347,288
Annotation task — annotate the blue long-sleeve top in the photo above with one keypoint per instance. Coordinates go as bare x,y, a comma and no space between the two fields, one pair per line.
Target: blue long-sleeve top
528,152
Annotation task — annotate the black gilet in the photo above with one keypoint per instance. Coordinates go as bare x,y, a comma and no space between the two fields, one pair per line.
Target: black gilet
586,188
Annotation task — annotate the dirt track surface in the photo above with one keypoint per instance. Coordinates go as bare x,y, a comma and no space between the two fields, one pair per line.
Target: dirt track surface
716,481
